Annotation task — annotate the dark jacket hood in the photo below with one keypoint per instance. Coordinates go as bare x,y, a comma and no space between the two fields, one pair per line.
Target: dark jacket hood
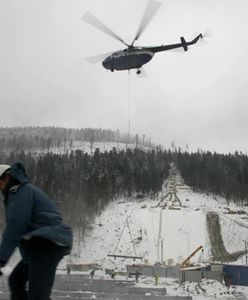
18,171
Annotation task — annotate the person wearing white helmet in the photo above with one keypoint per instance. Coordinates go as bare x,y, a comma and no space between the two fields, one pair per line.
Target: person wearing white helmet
34,225
3,170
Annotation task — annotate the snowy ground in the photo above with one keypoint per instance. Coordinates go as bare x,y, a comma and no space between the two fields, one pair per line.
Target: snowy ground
182,231
205,290
138,228
141,227
88,147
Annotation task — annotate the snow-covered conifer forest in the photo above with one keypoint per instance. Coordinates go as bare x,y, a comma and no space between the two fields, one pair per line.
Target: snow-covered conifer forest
85,169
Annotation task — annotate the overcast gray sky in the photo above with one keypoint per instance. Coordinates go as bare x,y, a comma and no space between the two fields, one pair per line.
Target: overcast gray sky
197,98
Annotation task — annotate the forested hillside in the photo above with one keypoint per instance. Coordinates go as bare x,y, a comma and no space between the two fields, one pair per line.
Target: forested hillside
46,139
220,174
83,184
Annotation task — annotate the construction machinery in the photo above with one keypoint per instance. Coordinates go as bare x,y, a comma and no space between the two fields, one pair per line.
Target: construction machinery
186,263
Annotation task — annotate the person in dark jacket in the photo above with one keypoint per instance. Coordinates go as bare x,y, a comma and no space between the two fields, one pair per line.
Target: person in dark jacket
34,225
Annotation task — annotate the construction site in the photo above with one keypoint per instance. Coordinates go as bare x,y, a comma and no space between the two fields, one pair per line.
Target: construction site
217,268
136,254
174,246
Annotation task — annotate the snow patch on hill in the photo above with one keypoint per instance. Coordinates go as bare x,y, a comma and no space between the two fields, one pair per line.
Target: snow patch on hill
171,233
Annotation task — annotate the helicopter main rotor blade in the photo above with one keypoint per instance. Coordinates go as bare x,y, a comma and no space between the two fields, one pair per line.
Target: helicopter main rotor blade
150,11
98,58
95,22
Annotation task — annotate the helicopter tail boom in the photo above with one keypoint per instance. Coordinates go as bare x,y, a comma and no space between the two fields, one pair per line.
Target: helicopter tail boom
183,45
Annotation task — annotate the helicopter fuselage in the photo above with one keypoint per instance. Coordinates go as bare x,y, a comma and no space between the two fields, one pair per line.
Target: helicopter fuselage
130,58
133,57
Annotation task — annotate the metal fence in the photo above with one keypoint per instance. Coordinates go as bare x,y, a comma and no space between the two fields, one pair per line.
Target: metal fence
161,271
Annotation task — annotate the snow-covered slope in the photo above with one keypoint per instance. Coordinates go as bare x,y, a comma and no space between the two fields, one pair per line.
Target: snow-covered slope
168,232
167,228
86,147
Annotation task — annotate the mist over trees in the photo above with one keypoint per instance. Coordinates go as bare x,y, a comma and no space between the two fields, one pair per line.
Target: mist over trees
45,139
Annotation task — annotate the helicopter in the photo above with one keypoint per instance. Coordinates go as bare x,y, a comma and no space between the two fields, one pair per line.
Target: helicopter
133,57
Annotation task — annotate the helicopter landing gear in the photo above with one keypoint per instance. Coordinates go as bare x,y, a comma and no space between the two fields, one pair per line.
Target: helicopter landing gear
138,71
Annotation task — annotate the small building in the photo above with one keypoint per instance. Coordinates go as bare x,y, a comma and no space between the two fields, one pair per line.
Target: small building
238,274
196,274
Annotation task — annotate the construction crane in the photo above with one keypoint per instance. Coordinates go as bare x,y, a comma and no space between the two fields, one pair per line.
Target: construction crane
186,262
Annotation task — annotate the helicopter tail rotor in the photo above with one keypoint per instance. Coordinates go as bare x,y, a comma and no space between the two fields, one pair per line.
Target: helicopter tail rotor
208,33
184,46
205,35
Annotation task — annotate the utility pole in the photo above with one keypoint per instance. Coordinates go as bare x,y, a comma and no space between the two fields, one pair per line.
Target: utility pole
159,232
246,258
162,252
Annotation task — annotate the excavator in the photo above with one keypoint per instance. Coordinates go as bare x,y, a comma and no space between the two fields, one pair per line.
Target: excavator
186,263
